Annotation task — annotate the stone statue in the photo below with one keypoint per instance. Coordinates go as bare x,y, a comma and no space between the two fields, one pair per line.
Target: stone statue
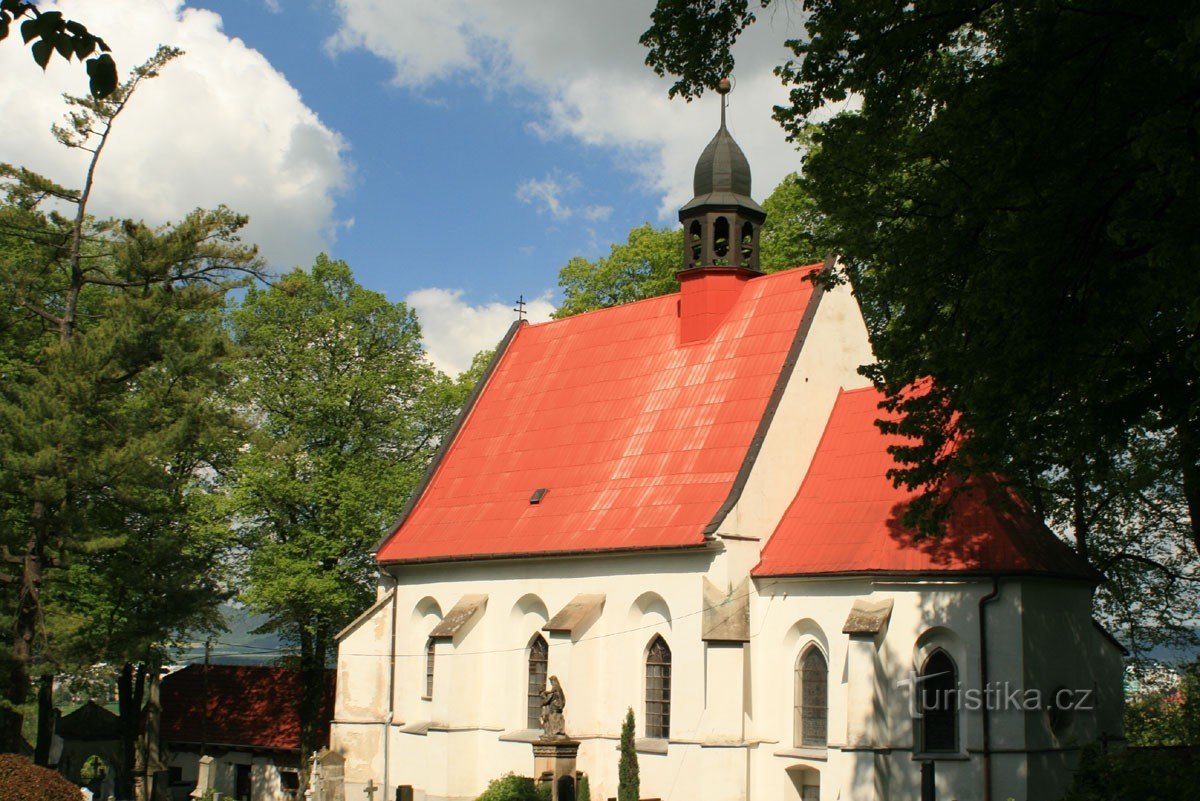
554,701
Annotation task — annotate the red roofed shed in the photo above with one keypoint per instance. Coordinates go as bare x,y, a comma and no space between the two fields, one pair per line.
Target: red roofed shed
238,706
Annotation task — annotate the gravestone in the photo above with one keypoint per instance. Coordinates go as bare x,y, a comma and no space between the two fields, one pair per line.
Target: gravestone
205,777
332,766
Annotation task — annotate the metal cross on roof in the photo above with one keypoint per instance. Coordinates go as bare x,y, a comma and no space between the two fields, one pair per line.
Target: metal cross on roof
370,790
520,308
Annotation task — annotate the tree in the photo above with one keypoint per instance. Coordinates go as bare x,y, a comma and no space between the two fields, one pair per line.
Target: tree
645,265
49,33
628,781
114,329
1014,202
347,415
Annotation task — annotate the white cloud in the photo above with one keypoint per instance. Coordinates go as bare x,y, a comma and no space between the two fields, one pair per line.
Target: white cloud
454,330
596,213
548,194
582,61
219,125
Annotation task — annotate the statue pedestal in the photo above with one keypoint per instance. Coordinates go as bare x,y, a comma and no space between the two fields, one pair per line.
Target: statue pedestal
554,761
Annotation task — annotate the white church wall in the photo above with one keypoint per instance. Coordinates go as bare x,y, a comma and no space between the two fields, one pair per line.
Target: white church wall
835,347
480,680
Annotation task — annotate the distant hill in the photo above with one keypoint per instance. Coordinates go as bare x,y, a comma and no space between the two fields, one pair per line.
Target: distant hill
240,645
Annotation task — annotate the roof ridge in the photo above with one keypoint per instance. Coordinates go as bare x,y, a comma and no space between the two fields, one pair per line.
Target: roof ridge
815,267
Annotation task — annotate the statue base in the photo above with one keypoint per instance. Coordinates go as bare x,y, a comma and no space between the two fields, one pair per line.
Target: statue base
554,762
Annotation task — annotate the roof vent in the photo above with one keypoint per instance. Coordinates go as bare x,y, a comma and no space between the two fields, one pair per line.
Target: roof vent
537,496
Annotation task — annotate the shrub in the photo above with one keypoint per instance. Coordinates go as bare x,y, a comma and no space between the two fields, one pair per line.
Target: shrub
584,791
509,787
628,781
21,780
1145,774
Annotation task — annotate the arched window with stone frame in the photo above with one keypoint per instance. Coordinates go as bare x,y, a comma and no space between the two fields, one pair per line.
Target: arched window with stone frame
658,689
539,659
430,654
811,716
939,703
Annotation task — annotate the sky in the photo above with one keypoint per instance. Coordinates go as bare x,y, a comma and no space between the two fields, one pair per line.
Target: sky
456,155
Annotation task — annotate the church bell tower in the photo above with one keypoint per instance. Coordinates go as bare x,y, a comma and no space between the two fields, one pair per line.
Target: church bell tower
721,223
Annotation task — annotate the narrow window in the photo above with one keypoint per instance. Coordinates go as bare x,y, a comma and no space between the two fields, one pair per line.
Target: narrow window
695,234
539,654
939,703
747,242
721,237
812,699
658,690
430,652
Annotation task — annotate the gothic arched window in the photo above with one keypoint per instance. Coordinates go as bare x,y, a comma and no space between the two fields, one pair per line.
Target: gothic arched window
430,652
658,689
811,699
938,684
539,657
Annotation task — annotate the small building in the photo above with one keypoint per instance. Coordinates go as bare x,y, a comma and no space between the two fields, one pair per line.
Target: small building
87,748
246,718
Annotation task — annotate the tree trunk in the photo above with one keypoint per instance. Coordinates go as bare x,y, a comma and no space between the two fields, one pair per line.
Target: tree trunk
25,627
1079,514
150,761
1189,464
129,704
45,720
313,648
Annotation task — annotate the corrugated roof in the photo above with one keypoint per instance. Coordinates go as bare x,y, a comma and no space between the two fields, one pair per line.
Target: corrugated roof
846,517
637,438
249,706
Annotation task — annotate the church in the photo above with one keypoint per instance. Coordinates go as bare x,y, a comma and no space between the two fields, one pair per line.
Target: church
680,506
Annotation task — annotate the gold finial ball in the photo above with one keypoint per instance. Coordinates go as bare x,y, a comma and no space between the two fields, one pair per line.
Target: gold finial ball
723,86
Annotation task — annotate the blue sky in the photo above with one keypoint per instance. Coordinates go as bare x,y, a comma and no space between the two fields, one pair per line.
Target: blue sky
455,155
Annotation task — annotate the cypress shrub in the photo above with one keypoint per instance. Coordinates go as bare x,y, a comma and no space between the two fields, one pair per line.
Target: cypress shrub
628,781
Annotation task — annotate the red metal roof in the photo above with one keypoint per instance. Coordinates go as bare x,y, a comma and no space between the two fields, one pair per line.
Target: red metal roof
846,517
248,706
637,438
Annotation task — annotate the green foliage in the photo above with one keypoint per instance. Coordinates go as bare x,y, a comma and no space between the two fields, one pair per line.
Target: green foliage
628,779
112,420
510,787
584,791
1045,279
793,235
645,265
21,780
1147,774
1166,717
347,414
50,32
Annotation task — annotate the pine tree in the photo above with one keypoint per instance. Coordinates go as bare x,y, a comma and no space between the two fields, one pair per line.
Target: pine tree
628,780
112,341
